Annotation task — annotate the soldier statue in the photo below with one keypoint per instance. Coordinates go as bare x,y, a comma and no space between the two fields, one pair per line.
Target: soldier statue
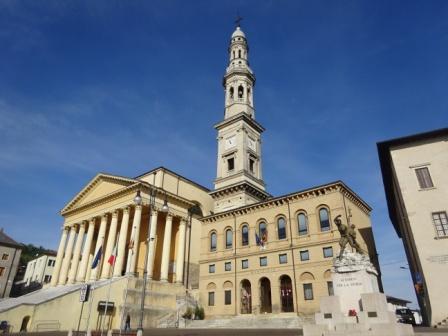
348,235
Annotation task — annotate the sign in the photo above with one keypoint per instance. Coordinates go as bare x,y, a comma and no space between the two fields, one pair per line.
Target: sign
102,306
84,293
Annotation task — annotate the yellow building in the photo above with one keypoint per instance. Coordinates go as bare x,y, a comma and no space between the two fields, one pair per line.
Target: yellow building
235,250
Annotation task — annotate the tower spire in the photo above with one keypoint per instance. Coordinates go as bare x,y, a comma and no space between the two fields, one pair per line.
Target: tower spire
238,20
239,179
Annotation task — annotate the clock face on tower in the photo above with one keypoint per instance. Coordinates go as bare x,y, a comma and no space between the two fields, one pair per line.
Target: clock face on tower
230,142
251,144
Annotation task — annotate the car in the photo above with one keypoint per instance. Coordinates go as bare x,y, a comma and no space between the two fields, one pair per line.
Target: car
405,315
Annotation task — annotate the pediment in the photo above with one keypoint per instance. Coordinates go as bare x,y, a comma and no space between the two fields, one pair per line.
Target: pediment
100,186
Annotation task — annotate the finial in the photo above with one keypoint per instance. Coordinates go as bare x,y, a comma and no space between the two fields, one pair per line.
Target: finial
238,20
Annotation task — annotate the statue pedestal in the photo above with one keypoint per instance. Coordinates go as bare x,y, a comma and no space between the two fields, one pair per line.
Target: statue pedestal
356,288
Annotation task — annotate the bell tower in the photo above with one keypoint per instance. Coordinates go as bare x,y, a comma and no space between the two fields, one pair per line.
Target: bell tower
239,179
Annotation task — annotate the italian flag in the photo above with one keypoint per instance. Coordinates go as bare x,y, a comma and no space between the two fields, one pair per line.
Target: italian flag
113,256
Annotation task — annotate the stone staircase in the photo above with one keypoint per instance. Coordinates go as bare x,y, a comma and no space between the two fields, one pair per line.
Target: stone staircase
162,303
267,321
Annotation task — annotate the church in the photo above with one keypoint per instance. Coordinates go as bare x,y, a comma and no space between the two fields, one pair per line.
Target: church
233,250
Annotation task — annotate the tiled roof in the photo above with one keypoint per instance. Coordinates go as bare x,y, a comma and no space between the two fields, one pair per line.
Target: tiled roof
7,240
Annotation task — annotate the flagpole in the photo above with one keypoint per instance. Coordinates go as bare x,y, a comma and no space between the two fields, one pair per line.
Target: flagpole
124,303
99,256
110,283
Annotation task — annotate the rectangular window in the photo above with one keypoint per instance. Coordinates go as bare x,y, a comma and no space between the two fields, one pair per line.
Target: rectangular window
263,261
230,164
49,262
211,298
244,264
441,223
47,278
328,252
227,297
5,256
228,266
252,165
211,268
330,288
2,271
424,178
308,291
282,258
304,255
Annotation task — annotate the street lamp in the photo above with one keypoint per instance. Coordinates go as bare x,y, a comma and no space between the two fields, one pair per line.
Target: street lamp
165,208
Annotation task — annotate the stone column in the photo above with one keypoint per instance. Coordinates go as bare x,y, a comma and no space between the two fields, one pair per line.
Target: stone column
67,257
134,239
180,251
99,243
152,242
110,245
166,248
86,252
76,253
59,257
122,243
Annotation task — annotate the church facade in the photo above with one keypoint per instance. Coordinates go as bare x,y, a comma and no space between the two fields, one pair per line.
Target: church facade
236,249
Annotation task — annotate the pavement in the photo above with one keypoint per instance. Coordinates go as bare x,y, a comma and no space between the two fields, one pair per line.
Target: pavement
425,331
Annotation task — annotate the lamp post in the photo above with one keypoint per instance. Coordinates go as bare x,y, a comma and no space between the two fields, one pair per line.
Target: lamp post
165,208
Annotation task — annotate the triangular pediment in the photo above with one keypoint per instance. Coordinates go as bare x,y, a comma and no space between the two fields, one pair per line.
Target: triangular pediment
99,187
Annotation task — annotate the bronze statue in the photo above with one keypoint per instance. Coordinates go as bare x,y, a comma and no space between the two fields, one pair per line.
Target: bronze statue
348,235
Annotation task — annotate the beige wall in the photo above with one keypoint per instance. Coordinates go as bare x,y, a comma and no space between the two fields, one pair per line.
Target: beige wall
430,251
314,271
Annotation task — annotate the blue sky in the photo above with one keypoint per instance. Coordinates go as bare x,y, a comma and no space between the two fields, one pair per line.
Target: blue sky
123,87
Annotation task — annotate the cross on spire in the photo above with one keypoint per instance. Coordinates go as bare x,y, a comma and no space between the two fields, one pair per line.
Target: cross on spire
238,20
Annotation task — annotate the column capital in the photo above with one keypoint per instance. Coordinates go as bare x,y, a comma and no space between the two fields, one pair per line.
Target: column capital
66,228
169,215
183,220
92,220
126,209
105,215
115,214
138,206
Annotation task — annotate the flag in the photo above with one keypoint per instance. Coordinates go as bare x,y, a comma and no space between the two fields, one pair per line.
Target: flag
113,256
257,239
97,258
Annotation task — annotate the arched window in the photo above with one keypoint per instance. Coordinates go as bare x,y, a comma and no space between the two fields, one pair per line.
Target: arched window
231,92
262,233
245,235
324,220
234,54
302,221
248,93
240,91
281,228
229,238
213,241
239,53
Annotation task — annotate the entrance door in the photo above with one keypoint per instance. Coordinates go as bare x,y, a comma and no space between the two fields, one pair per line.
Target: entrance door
265,296
246,297
286,297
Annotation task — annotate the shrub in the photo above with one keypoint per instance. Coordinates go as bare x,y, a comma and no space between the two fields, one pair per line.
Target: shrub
199,313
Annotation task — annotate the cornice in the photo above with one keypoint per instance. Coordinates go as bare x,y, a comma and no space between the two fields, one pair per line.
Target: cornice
238,117
242,186
318,191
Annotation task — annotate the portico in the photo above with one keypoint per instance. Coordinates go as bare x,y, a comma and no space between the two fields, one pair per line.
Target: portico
104,214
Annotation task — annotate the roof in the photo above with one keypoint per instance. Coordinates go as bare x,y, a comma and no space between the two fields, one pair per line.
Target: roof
299,193
238,33
8,241
170,171
387,171
395,299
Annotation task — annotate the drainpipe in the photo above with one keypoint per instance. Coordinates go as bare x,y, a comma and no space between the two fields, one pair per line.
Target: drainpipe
293,260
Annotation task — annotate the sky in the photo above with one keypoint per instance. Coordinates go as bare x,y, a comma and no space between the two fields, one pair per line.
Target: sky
127,86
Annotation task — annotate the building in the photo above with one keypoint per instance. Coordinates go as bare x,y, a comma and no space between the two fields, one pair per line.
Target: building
40,270
416,186
10,251
220,247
